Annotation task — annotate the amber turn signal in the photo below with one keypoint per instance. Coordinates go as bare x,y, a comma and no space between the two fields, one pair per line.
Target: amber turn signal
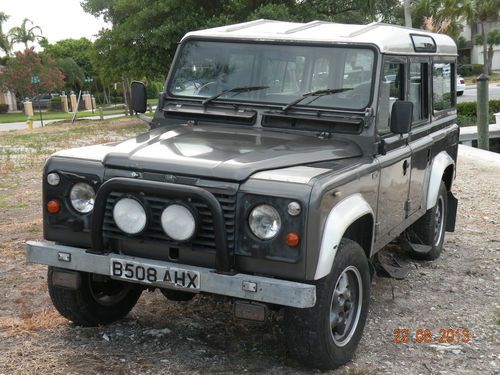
292,239
53,206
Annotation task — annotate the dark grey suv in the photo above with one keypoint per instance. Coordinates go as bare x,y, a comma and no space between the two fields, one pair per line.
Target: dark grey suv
281,158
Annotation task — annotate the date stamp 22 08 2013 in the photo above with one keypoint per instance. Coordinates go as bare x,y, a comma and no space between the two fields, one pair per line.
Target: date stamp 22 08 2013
423,335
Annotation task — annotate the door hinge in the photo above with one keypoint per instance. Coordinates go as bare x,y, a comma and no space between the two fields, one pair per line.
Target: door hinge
408,207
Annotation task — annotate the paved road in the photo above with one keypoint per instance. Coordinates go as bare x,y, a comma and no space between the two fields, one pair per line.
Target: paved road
470,93
37,124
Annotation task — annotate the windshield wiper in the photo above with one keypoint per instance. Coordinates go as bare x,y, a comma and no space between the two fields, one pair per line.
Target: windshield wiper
316,93
236,90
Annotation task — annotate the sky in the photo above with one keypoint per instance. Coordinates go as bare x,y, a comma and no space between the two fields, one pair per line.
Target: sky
58,19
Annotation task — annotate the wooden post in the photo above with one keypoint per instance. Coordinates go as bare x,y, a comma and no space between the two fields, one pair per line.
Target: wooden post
483,140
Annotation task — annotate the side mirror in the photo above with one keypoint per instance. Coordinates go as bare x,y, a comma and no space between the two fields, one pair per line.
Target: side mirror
139,97
401,117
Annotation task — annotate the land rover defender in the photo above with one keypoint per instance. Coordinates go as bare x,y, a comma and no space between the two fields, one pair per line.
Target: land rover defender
281,158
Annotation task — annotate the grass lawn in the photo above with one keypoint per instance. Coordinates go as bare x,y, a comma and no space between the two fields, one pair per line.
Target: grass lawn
21,117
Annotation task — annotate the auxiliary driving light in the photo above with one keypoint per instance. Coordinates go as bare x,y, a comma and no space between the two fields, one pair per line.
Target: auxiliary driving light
130,216
178,222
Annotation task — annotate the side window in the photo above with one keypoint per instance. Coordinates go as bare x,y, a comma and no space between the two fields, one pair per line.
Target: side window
417,91
391,90
442,86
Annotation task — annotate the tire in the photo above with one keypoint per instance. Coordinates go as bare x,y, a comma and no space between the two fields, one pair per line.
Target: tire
430,229
309,333
460,93
94,302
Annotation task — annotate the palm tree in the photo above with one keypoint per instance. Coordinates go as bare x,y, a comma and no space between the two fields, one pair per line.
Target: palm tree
493,40
23,34
5,44
482,11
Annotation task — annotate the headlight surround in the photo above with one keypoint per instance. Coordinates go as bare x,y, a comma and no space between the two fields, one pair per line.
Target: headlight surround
265,222
130,216
178,222
82,197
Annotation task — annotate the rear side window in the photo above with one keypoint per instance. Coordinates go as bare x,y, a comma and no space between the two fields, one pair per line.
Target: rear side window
417,90
442,86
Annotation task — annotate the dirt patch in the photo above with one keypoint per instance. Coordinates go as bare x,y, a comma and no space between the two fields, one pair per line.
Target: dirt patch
458,291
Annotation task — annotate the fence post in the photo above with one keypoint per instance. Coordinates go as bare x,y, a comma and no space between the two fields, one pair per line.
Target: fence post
483,140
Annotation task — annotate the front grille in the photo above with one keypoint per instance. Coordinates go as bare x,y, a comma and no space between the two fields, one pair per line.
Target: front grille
205,234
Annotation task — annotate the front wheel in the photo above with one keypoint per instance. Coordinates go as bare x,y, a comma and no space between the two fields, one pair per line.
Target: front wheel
95,301
327,335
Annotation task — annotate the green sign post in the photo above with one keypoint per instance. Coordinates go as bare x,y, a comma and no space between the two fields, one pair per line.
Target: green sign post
89,80
35,81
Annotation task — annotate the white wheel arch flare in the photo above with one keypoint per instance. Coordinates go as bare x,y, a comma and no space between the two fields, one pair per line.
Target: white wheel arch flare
342,215
439,164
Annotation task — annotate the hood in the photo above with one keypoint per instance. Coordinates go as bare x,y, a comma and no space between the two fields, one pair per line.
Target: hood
230,153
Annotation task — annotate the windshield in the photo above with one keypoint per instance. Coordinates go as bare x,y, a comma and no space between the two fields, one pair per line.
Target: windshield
207,68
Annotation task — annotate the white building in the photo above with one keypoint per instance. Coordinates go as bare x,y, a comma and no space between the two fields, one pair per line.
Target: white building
475,52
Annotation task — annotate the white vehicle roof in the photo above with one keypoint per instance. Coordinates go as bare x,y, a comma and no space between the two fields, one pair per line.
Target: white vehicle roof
390,39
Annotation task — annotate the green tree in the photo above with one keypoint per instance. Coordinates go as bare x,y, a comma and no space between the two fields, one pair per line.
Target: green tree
144,34
493,40
80,50
25,34
482,12
5,44
19,70
74,75
439,16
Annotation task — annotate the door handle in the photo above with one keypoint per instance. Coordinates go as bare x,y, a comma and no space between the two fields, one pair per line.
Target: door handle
405,167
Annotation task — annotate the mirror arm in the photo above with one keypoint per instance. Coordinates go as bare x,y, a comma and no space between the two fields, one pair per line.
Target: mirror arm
144,118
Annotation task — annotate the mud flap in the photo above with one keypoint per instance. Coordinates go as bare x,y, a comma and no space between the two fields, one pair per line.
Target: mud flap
451,216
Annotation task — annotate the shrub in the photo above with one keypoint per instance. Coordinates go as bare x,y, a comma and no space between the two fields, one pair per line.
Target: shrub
55,104
468,70
153,89
4,108
467,112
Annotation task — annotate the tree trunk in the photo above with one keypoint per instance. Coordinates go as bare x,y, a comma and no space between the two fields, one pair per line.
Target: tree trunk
490,58
484,34
406,5
127,96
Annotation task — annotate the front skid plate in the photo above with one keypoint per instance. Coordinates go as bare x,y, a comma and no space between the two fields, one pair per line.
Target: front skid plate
264,289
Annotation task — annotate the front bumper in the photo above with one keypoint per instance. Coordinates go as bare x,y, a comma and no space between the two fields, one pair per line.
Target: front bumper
269,290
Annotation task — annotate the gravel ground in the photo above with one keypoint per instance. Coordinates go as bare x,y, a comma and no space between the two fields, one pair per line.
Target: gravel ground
458,291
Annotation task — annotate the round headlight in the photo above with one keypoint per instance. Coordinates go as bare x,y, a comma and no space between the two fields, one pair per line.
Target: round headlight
178,222
129,216
82,197
265,222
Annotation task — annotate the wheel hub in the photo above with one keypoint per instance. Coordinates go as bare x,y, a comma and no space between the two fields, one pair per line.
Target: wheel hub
346,305
438,221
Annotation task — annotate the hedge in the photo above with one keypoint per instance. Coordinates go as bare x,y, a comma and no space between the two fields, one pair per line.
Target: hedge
470,70
4,108
467,112
55,104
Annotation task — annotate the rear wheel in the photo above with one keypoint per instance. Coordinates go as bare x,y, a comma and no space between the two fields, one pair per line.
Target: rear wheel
96,300
430,229
327,335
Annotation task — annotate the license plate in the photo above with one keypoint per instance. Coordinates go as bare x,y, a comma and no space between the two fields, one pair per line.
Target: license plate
135,271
